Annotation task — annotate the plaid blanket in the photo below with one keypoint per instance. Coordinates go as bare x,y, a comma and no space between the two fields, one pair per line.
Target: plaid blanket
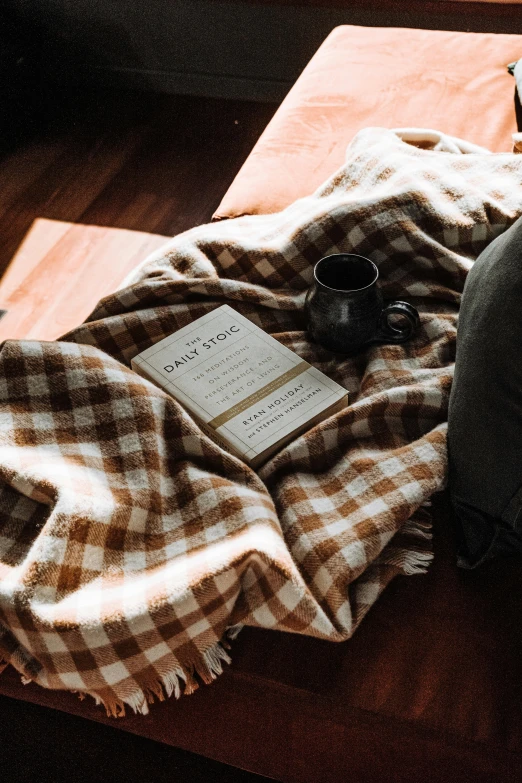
131,546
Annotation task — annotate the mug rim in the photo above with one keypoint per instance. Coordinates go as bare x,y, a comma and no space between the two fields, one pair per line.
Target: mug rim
346,255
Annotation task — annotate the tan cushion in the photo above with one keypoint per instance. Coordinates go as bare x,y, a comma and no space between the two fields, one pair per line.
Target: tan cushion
389,77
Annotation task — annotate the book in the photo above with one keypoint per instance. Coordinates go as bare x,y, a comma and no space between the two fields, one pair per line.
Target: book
245,389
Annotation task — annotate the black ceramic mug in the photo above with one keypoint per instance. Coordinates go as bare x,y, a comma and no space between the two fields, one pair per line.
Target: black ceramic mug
345,310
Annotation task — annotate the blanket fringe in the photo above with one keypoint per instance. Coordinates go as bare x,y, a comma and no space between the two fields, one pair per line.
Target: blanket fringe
417,529
409,559
162,686
233,631
410,563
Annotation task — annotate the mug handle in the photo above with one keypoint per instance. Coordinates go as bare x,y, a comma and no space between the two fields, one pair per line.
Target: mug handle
391,334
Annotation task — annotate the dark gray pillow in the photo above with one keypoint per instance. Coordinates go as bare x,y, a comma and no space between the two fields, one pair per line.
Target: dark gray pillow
485,408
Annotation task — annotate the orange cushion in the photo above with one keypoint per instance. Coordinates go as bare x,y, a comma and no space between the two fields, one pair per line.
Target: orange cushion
389,77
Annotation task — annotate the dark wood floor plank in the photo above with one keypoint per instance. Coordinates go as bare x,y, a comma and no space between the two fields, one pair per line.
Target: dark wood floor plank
178,175
130,160
80,157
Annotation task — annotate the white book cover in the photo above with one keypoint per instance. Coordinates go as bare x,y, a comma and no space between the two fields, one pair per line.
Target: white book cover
247,389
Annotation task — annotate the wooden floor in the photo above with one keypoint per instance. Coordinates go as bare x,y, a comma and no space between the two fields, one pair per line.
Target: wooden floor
148,163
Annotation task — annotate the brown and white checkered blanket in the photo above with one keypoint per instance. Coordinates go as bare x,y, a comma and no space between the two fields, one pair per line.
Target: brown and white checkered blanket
131,546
